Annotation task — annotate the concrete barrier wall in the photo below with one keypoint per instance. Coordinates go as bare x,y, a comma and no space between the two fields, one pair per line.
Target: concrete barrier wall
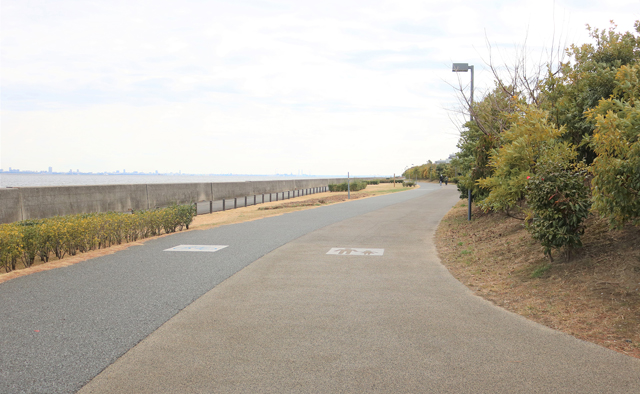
10,205
43,202
162,195
240,189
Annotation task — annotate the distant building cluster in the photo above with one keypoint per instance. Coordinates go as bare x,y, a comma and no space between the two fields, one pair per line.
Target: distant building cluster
78,172
125,172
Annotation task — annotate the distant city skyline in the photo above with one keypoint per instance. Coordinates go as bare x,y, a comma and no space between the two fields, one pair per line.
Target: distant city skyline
12,170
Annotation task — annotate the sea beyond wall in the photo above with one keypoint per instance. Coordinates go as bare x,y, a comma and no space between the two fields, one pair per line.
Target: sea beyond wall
42,202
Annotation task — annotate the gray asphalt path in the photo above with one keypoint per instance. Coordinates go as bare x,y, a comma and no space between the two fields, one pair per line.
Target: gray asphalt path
299,320
90,314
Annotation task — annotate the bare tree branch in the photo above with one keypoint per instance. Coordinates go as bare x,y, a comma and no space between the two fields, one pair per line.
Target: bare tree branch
518,81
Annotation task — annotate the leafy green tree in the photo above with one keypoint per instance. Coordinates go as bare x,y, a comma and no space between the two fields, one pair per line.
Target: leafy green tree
523,144
479,138
584,80
528,150
616,141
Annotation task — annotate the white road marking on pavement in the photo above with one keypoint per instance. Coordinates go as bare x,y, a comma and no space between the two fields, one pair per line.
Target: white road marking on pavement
196,248
356,251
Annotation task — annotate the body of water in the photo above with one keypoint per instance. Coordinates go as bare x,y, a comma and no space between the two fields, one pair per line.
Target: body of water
30,180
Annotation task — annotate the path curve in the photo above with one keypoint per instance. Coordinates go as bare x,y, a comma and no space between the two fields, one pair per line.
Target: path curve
60,328
300,320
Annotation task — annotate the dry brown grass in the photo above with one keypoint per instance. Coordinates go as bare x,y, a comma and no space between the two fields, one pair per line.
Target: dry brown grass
594,297
215,219
274,208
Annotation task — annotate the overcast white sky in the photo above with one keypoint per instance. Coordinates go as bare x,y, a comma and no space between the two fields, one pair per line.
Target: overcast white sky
256,87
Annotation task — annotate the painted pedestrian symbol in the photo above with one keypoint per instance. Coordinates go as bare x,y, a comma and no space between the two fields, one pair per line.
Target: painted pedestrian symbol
356,251
196,248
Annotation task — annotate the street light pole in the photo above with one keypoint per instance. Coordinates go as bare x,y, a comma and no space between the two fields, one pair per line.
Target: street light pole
464,67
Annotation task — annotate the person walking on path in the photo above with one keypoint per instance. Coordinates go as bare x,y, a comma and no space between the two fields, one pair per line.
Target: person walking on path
441,179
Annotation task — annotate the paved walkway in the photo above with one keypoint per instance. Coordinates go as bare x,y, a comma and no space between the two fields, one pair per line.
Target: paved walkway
61,328
299,320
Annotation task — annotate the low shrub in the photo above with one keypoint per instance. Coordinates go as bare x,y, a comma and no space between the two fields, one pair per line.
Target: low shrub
30,238
68,235
559,203
408,183
11,247
342,187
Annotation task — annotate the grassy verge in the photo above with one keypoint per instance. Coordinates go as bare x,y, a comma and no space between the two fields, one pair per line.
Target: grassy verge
295,204
594,297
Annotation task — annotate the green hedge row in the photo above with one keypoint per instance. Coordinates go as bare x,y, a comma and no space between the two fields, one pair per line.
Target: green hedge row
68,235
342,187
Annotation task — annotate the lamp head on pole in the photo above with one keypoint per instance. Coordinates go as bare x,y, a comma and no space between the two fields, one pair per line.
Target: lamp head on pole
460,67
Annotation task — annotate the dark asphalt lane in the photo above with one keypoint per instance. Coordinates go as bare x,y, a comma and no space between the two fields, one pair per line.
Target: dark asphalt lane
91,313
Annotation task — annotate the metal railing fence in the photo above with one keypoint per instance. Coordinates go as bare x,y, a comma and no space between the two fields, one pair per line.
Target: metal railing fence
204,207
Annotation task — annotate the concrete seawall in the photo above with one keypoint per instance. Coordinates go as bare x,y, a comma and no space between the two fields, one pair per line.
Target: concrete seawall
42,202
